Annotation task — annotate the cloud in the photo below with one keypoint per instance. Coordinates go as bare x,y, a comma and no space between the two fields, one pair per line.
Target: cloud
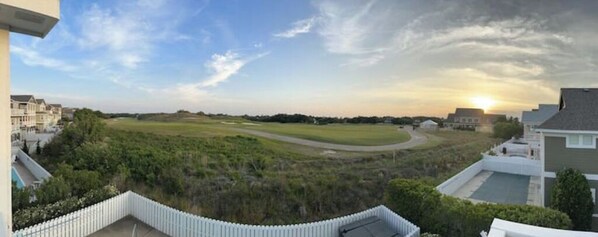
129,33
221,67
299,27
33,58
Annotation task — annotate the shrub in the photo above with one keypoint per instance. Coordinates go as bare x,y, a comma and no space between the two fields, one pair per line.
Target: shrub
413,198
449,216
27,217
571,194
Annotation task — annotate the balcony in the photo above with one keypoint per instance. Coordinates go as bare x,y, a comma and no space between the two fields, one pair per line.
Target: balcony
17,112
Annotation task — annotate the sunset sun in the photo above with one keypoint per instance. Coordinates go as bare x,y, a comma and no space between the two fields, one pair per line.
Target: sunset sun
483,102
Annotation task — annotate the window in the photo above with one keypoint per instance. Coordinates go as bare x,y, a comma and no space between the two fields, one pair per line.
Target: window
581,141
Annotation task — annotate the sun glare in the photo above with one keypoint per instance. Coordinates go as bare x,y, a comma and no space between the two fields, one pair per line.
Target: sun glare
483,102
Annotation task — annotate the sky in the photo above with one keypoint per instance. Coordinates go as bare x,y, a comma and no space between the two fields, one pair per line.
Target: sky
330,58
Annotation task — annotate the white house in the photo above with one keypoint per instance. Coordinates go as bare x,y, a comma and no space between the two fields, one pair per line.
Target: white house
429,125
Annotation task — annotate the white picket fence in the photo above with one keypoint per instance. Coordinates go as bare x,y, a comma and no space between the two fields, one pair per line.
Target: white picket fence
177,223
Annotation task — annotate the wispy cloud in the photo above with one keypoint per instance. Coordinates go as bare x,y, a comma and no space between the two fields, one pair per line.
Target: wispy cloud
129,34
221,68
33,58
299,27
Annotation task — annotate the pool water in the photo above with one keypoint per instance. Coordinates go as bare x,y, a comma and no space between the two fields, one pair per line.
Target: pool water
17,179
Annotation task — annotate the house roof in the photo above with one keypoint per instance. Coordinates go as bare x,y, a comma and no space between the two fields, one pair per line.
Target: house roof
543,113
429,122
56,105
450,117
39,101
469,112
578,111
22,98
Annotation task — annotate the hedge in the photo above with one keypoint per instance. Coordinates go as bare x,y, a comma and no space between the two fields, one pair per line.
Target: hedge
38,214
448,216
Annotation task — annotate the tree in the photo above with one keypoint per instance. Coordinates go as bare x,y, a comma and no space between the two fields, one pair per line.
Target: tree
25,147
52,190
86,127
38,148
507,130
20,197
571,194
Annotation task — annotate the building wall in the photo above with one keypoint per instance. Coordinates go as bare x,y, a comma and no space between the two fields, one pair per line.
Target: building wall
557,157
5,127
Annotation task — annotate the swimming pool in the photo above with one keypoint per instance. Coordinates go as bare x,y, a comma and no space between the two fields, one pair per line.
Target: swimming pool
16,178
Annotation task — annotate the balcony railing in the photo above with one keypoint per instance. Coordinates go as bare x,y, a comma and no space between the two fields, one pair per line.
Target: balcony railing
17,112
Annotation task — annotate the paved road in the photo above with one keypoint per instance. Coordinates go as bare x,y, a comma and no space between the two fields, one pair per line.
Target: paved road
416,139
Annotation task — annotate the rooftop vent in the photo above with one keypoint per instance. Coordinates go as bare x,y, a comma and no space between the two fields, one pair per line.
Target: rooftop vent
586,90
29,17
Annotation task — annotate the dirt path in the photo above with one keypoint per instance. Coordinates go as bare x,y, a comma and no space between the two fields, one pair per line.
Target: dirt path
416,140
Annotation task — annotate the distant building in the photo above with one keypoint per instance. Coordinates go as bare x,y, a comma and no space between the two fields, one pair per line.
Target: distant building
531,120
43,117
56,113
23,114
569,141
470,118
68,113
429,125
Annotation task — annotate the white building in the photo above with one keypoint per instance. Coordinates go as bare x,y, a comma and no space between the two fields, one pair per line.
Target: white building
429,125
31,17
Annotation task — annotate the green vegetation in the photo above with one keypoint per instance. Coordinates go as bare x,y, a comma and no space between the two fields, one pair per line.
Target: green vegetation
449,216
349,134
571,194
239,178
198,126
507,129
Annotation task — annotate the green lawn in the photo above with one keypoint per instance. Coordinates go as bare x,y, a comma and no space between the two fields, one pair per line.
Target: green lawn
349,134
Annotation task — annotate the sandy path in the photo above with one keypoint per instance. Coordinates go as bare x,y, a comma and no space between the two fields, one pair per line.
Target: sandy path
416,140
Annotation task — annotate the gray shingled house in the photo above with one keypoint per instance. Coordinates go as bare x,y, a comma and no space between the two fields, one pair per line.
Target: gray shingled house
471,118
569,141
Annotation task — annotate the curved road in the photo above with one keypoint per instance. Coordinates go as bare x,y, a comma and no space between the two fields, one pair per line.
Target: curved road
416,140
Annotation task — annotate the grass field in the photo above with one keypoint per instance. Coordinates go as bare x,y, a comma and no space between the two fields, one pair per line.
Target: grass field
349,134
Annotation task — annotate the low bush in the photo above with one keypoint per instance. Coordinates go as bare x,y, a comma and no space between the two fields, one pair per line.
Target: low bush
30,216
571,194
449,216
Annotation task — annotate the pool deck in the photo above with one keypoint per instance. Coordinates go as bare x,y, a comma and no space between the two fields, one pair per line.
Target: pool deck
495,187
24,173
124,227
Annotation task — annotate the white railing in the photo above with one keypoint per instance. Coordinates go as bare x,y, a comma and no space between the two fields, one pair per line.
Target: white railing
453,184
37,170
510,165
177,223
83,222
502,228
17,112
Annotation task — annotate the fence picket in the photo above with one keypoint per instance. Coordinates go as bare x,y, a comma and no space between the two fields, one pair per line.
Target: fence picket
176,223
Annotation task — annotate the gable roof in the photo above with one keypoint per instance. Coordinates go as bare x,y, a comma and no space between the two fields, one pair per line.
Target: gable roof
450,118
22,98
55,105
39,101
429,122
543,113
469,112
578,111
